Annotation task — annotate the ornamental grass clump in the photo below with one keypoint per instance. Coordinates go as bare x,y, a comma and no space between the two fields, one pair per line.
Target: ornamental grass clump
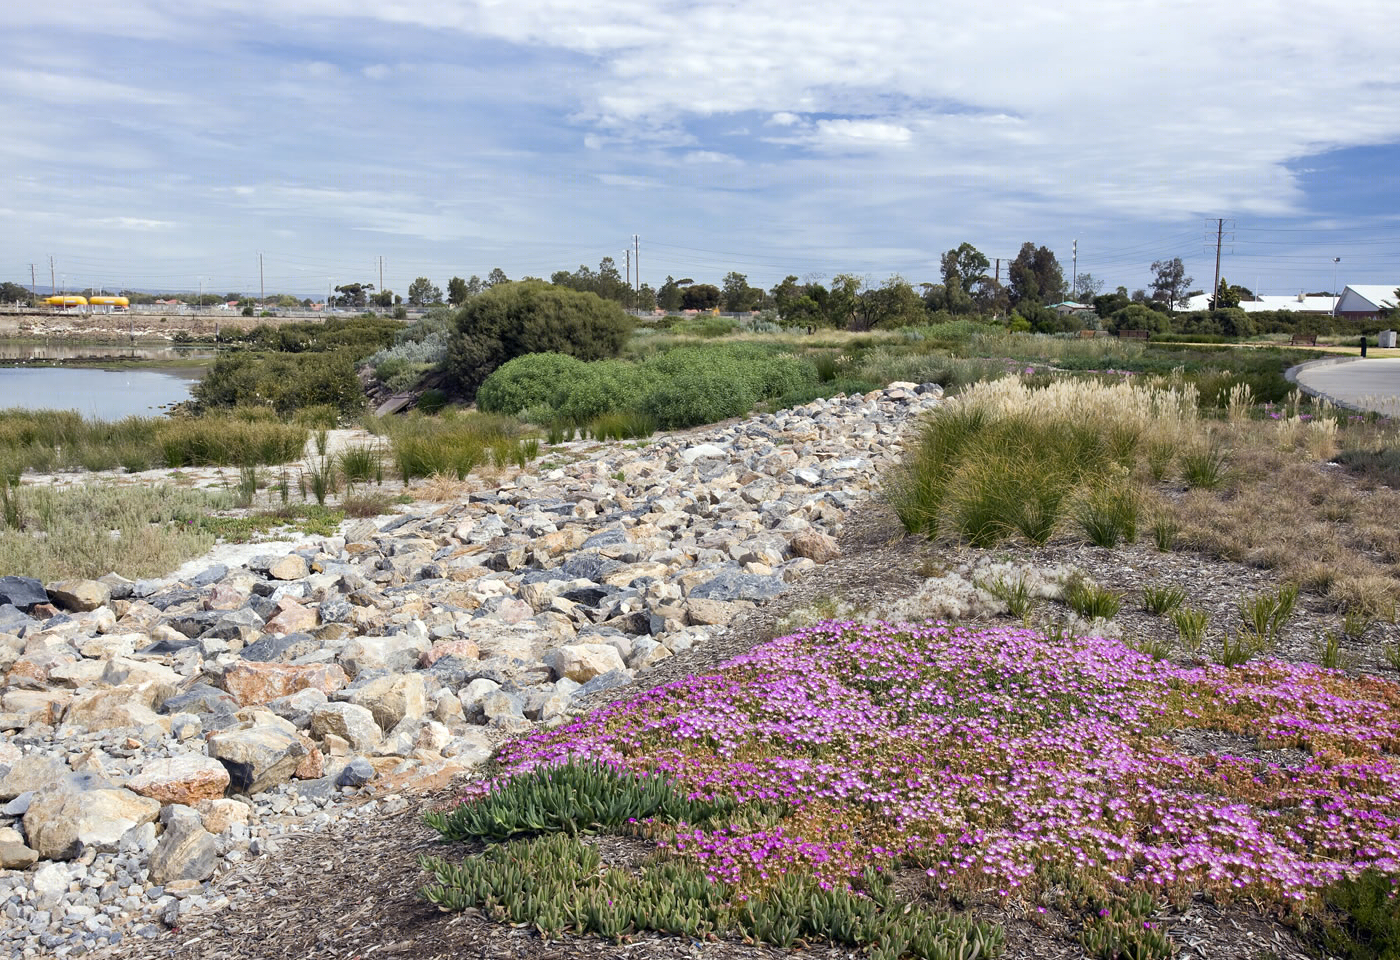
1160,600
1003,459
1092,601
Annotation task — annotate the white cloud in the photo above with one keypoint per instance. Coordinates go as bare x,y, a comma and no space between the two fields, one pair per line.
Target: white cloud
711,156
874,133
783,118
378,71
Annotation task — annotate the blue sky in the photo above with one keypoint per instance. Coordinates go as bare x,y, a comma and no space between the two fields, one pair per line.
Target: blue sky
156,144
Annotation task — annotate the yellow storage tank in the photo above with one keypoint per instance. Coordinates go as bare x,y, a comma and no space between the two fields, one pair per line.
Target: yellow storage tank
105,301
69,300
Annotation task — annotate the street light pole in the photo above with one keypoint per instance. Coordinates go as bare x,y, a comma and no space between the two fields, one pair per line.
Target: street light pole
1336,297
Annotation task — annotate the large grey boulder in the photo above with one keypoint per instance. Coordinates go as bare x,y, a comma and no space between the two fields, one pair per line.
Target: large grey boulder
186,850
22,592
350,721
734,585
30,773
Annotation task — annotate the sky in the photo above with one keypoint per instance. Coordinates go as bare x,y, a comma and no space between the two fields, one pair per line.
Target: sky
159,144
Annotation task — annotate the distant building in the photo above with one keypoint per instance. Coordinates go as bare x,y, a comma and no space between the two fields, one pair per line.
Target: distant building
1069,308
1295,304
1367,301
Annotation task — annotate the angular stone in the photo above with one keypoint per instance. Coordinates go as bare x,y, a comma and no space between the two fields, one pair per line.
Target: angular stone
356,773
219,815
397,654
281,649
22,593
390,699
733,585
83,811
202,700
185,779
582,662
700,612
16,856
222,596
253,683
257,756
81,595
186,850
290,567
291,618
463,648
815,546
30,773
350,721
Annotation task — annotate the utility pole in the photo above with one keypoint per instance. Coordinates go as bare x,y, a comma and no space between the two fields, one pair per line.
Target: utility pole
262,291
53,284
1074,273
1336,297
381,274
627,256
997,279
200,305
637,259
33,286
1215,290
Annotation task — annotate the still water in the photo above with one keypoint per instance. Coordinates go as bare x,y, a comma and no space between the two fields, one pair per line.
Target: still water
105,394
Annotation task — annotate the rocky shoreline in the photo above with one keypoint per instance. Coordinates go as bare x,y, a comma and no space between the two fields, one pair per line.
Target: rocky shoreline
157,733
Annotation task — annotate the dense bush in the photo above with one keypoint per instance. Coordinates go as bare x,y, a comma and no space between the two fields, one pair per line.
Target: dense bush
536,379
513,319
284,382
607,386
360,335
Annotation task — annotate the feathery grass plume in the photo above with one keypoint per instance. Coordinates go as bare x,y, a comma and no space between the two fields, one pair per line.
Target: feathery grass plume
1239,403
247,488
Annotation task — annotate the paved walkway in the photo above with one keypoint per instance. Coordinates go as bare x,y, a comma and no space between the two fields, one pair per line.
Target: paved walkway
1365,384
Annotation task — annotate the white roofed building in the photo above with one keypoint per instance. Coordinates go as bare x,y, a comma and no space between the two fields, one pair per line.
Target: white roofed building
1292,304
1367,301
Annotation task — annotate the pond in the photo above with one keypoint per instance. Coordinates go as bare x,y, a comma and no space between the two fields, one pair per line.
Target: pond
109,392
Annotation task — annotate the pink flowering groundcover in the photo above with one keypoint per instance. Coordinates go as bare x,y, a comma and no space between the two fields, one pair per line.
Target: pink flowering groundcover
996,759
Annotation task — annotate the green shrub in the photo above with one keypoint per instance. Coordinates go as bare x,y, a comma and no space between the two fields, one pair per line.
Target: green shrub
692,397
284,382
513,319
1191,627
1365,920
535,379
604,387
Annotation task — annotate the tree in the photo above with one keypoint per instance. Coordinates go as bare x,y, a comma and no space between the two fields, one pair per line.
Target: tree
513,319
1086,287
700,296
1225,296
384,298
14,293
1036,276
352,295
421,292
670,295
843,301
496,277
738,296
894,303
646,298
457,291
964,268
1170,282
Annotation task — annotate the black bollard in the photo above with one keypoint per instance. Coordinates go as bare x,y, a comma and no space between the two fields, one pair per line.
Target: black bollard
1363,344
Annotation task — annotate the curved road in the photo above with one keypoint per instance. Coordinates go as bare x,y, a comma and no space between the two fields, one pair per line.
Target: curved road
1364,384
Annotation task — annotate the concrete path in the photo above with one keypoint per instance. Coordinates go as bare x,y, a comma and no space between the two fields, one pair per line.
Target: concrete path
1364,384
